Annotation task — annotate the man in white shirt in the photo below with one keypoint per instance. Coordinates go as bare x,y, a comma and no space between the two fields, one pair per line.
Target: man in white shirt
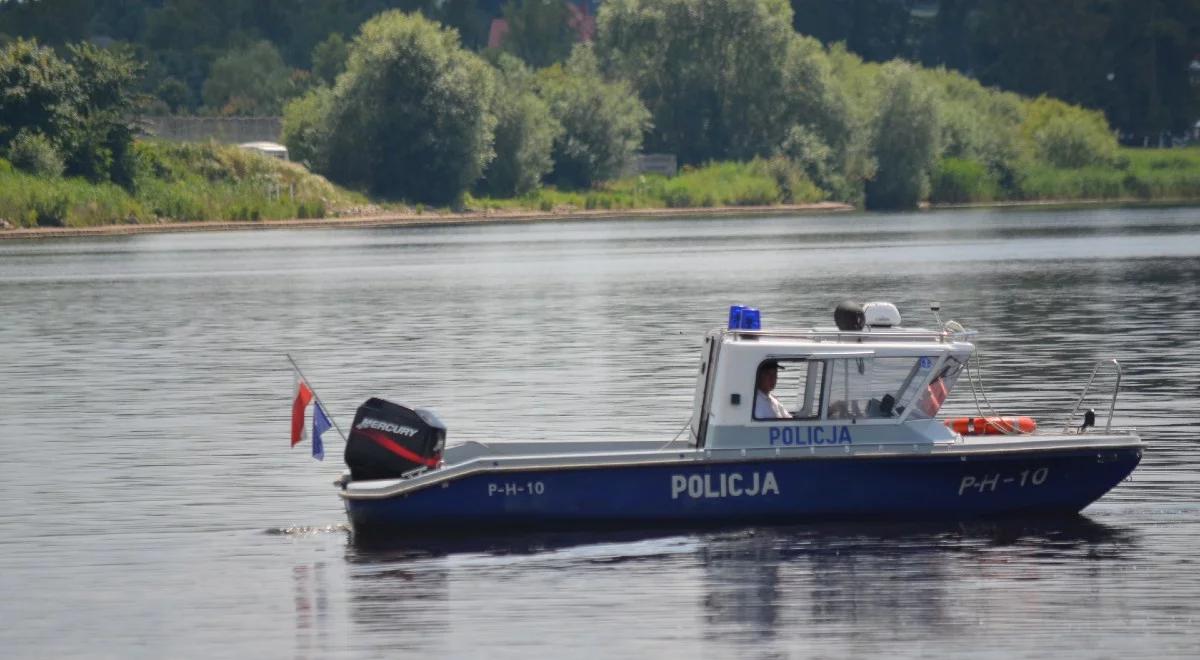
766,406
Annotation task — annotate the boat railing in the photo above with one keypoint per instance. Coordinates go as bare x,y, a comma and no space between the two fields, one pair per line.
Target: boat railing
1112,406
878,334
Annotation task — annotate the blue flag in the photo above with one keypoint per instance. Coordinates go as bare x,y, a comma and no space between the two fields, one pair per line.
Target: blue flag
321,424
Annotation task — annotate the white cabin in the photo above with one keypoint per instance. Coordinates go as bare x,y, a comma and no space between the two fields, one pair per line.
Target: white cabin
871,386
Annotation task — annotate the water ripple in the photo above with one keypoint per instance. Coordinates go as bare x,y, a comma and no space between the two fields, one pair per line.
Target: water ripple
155,508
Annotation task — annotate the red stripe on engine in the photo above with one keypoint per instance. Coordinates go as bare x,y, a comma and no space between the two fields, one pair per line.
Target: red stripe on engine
390,445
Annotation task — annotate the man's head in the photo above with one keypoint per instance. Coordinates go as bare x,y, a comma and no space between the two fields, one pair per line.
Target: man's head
768,375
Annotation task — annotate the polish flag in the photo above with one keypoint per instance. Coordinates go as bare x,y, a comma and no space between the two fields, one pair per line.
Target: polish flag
304,396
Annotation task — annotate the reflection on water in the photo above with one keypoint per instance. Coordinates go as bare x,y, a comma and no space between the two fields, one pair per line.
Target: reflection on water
146,401
312,604
754,588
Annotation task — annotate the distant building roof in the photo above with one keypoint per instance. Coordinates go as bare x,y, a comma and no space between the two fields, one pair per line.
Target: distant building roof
269,148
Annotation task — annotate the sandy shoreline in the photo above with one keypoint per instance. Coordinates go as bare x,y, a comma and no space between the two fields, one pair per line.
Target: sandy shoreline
423,219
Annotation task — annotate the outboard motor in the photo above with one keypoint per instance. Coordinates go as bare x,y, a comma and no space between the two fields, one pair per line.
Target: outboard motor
849,316
388,440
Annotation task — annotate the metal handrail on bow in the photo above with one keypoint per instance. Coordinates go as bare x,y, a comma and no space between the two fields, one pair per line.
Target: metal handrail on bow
1111,407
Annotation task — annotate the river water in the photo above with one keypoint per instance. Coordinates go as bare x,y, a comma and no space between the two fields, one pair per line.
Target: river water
152,507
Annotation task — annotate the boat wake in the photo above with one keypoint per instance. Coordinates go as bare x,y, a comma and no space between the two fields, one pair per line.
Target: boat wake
304,530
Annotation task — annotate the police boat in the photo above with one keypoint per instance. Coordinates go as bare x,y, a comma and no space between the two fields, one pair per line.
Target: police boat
787,426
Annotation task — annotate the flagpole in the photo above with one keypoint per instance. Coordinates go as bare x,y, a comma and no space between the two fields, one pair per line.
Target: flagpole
315,395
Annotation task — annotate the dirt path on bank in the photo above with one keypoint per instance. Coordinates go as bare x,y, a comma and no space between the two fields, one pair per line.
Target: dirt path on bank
422,219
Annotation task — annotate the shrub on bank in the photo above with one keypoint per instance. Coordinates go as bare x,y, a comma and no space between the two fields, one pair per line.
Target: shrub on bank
1068,136
960,180
791,178
33,153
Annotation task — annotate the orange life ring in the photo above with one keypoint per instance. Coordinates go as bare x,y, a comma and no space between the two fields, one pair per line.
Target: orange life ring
991,425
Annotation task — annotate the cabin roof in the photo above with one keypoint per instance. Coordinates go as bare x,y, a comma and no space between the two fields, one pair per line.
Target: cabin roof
843,338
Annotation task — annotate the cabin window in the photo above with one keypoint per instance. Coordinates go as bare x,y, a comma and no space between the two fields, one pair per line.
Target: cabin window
934,395
795,392
849,387
875,387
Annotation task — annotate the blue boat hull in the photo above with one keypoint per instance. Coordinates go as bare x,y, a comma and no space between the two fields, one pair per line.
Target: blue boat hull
774,491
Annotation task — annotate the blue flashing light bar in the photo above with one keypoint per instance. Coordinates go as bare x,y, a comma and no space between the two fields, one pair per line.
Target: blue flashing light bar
735,316
744,318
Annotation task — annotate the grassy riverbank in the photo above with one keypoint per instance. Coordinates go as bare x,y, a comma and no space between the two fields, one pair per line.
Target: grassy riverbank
761,182
1146,174
189,183
1134,174
220,183
173,183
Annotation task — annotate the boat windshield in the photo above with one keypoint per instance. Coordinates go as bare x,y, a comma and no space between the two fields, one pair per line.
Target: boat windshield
876,387
934,395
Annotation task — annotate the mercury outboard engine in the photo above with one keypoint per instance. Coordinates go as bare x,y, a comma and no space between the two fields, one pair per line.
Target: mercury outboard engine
387,440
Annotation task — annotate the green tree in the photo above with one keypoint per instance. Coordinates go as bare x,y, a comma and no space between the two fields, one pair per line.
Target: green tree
905,143
306,128
721,79
1064,135
1030,46
822,136
329,58
979,124
99,145
248,81
538,31
39,92
602,120
814,96
525,133
875,29
1146,86
468,17
409,118
174,93
80,107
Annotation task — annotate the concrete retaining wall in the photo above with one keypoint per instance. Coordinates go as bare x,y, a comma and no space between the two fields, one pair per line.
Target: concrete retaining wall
231,130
